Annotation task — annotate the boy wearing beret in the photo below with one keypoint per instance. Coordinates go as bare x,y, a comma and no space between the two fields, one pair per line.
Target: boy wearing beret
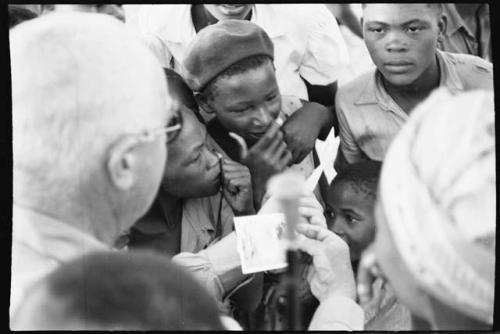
229,66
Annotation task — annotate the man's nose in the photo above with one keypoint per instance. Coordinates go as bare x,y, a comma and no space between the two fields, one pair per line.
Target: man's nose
338,227
262,116
212,158
396,42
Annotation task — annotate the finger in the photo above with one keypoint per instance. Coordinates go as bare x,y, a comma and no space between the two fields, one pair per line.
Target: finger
317,233
267,138
275,144
310,212
280,149
365,278
243,147
309,200
310,246
318,221
286,159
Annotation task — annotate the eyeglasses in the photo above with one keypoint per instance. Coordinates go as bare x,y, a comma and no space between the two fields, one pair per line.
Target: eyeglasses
171,131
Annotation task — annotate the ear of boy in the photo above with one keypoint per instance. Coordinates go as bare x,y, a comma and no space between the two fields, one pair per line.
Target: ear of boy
202,101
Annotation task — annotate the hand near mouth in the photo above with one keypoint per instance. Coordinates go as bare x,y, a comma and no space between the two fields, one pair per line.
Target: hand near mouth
237,187
267,157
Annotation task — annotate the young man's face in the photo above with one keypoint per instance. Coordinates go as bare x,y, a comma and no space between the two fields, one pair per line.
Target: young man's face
349,214
401,39
193,169
247,103
236,11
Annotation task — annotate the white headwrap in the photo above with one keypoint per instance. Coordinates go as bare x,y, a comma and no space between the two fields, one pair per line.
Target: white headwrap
437,191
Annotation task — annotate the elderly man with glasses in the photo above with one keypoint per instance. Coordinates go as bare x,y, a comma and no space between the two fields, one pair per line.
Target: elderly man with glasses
88,139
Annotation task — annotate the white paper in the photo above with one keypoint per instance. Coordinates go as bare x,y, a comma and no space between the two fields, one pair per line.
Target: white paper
260,241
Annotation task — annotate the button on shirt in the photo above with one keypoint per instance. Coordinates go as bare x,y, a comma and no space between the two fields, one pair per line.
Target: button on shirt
40,244
369,118
307,40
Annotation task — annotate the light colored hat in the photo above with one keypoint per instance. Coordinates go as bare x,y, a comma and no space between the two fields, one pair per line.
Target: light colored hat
437,191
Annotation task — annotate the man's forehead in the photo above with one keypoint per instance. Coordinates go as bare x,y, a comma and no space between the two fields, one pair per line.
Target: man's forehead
394,13
192,134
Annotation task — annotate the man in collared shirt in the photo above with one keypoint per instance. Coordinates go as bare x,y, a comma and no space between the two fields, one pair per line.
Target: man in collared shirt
467,29
87,164
402,41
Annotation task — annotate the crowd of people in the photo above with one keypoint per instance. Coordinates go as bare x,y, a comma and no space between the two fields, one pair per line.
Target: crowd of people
141,131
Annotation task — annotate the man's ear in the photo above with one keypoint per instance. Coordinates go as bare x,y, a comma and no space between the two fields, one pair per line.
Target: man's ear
202,101
121,164
442,24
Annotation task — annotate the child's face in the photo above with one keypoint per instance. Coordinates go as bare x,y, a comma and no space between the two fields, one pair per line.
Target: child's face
247,103
401,39
350,215
193,169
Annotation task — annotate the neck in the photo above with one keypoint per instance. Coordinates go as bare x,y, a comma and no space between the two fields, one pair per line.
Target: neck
71,209
421,87
173,206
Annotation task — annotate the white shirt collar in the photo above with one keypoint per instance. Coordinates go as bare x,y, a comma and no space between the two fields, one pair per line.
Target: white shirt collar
180,28
51,237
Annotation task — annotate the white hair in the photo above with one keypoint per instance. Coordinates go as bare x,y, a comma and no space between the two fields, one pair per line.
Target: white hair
79,82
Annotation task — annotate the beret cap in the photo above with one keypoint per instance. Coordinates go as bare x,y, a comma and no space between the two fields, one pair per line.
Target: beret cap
216,47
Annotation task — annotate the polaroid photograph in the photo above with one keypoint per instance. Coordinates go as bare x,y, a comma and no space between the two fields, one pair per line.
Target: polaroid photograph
260,242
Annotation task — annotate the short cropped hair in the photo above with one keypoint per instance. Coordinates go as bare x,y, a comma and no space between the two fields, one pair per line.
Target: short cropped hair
74,94
363,176
436,6
132,290
240,67
19,14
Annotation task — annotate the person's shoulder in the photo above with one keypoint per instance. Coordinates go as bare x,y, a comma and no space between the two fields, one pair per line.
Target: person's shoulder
303,15
351,91
474,72
161,17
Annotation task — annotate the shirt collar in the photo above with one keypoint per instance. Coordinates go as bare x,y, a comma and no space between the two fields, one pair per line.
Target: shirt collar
267,18
374,92
51,237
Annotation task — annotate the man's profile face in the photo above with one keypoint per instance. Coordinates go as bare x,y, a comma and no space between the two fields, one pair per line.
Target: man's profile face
247,103
401,39
236,11
193,168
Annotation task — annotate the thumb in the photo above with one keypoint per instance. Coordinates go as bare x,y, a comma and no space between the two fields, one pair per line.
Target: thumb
241,143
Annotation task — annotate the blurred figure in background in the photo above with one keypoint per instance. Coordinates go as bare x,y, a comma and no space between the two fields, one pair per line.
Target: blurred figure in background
88,139
467,30
21,13
110,9
436,216
118,291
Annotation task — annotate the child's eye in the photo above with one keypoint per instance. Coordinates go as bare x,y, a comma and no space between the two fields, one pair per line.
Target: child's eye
414,29
376,30
350,219
329,214
271,97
